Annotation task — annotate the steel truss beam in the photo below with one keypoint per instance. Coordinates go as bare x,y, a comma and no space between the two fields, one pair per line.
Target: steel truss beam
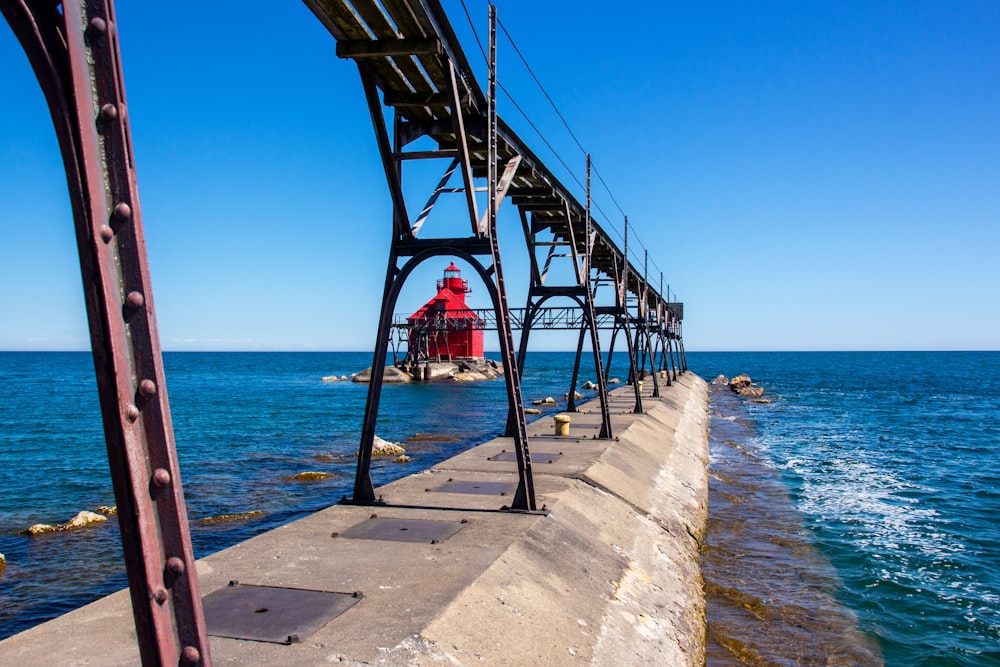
73,50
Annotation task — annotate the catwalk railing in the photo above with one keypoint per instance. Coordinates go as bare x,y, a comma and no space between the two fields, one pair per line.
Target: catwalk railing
565,318
419,87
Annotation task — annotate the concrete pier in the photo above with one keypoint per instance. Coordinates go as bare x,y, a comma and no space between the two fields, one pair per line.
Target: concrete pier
608,575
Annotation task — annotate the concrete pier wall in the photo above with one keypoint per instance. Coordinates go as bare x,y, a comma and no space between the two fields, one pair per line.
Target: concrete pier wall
608,575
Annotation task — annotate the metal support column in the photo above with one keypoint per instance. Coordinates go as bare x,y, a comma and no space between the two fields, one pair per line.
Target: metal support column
622,303
565,247
647,323
73,49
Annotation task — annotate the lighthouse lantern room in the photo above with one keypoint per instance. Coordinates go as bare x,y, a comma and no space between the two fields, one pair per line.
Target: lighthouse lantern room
445,329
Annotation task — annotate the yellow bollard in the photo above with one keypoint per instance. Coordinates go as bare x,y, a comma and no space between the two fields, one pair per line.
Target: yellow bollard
562,424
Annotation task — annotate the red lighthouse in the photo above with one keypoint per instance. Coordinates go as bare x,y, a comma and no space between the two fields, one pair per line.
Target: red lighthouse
445,328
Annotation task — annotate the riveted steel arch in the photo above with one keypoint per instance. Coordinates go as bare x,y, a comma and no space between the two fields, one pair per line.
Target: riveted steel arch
364,492
73,50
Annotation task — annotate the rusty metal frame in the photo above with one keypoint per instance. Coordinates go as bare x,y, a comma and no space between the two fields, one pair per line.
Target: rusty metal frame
75,56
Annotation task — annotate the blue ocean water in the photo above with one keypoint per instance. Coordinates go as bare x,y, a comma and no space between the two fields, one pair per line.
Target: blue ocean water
245,424
890,461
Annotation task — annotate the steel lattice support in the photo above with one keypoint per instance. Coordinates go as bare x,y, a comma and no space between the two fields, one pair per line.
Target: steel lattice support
646,326
74,53
625,319
566,248
407,248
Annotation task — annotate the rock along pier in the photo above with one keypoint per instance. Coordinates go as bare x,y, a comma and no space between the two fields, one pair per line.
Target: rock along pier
607,573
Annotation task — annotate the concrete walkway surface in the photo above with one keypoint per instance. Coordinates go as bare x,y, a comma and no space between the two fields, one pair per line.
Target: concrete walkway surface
608,575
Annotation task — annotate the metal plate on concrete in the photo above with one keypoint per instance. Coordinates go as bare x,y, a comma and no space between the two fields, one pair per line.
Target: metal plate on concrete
403,530
483,488
270,613
536,457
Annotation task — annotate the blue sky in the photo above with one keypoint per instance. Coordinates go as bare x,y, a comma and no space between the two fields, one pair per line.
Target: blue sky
807,175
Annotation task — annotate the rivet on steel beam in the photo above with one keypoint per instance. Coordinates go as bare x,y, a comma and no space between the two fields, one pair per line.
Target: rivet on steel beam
109,112
106,233
122,212
135,300
97,26
160,596
147,388
161,478
190,655
175,565
131,413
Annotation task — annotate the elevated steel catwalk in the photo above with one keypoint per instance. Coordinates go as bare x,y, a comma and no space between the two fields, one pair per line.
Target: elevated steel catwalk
405,50
404,46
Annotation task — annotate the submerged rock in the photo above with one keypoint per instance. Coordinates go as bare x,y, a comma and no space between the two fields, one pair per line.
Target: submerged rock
390,374
588,385
614,381
576,396
721,379
742,380
3,562
241,516
432,370
548,400
744,386
431,437
107,511
81,520
402,458
532,411
383,449
470,376
487,367
307,476
329,456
